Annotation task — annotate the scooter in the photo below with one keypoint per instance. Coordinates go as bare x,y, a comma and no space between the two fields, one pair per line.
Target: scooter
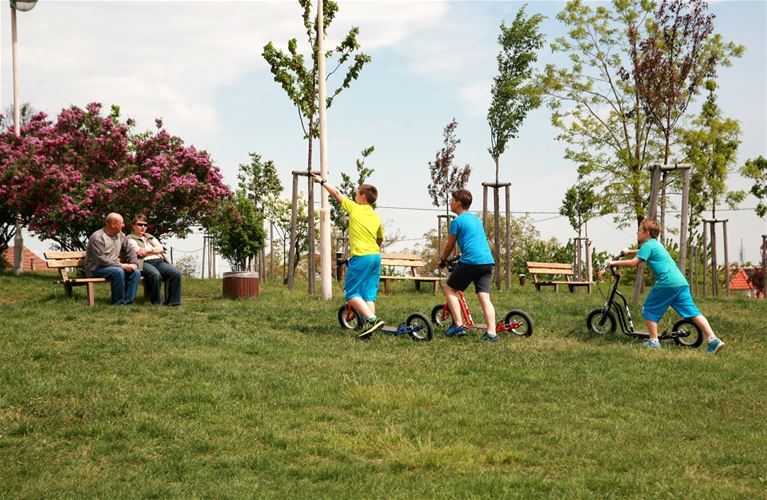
417,326
603,320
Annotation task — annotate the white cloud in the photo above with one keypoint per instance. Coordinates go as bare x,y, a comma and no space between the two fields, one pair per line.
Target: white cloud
170,59
386,24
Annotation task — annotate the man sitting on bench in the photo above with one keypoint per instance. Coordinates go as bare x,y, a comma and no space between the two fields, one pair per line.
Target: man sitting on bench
102,260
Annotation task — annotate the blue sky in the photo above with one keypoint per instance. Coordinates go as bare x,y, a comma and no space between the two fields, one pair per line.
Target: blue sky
198,66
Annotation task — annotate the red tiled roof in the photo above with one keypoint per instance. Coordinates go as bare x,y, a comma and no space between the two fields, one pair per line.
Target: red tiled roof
30,260
740,281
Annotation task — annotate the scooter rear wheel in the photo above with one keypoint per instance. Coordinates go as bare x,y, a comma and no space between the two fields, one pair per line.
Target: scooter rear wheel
422,323
695,337
353,322
600,322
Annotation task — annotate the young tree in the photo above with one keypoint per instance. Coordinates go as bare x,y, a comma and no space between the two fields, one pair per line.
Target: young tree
349,188
300,82
513,92
679,54
599,113
278,211
756,170
580,205
711,146
446,177
237,231
259,180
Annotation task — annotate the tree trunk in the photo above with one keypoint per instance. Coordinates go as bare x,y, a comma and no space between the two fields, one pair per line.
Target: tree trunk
666,155
310,211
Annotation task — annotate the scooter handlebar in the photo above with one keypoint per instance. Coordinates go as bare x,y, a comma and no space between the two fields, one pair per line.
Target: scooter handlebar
613,270
450,263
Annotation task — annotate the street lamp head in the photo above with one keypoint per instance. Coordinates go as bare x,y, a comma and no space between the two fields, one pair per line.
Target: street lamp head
23,5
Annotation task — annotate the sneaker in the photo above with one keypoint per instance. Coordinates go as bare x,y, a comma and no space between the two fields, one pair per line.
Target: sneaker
456,331
490,338
715,346
374,324
652,344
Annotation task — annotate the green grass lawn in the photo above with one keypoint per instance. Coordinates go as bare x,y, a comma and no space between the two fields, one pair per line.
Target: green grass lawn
270,398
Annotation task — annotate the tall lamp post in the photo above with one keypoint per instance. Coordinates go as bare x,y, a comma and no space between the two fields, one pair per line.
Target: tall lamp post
23,6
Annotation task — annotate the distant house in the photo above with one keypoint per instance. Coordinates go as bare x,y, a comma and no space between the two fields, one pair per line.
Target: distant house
741,282
30,260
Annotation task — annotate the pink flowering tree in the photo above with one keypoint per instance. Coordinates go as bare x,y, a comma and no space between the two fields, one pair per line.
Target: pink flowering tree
26,180
66,176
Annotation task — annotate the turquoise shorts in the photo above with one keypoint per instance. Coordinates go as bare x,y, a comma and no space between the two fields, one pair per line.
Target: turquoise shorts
363,276
660,299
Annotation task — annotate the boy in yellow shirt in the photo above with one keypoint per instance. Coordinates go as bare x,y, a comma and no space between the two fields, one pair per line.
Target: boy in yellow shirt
365,238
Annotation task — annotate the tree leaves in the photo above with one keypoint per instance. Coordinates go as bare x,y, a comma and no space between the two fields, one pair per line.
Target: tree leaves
513,93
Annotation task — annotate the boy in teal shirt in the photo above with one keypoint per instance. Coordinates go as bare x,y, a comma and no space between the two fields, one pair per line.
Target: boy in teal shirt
476,265
365,238
670,290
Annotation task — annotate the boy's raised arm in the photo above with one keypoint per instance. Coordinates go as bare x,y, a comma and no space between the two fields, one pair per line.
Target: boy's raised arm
331,189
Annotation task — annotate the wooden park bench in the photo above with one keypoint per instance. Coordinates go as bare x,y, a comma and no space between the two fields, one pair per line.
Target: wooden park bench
554,270
66,262
411,261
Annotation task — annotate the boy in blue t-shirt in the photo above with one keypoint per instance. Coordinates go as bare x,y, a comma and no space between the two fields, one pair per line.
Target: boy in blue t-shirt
670,290
476,265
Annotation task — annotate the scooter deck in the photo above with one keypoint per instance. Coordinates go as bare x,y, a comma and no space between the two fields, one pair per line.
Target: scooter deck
391,330
478,326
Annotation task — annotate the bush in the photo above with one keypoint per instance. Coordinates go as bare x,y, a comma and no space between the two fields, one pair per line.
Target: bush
238,232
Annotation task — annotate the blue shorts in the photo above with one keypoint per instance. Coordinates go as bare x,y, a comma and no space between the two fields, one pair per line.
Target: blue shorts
363,276
660,299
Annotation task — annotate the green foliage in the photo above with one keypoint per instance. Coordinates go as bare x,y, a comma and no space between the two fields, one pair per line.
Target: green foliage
756,170
580,204
711,146
513,93
598,112
259,180
238,232
278,212
299,80
679,53
631,74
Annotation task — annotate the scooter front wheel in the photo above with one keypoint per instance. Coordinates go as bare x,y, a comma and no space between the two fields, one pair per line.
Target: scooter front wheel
693,337
419,327
601,322
440,316
519,323
349,318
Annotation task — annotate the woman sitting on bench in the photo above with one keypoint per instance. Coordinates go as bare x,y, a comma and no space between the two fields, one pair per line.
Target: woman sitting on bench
154,266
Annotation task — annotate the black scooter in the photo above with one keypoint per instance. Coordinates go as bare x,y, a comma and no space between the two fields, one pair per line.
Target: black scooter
602,320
